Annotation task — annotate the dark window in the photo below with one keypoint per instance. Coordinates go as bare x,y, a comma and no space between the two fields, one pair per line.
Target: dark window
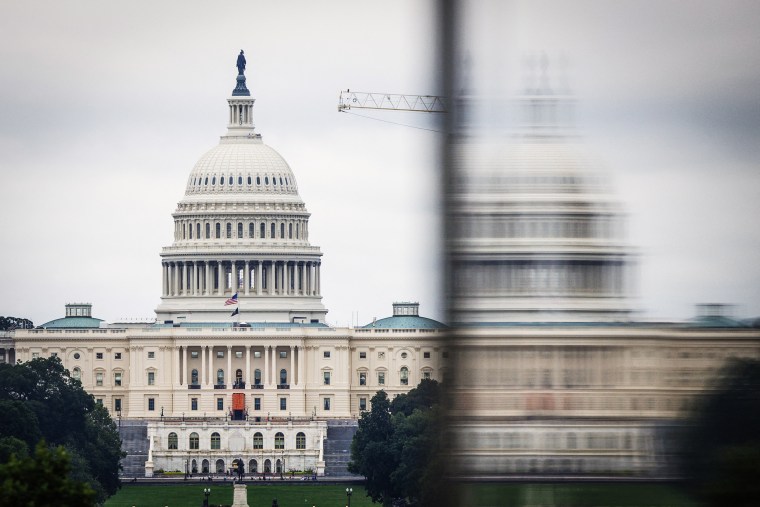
283,376
362,403
250,230
362,378
271,232
404,376
257,403
206,182
173,440
151,404
282,231
266,180
274,181
216,441
198,231
283,403
194,404
208,231
229,230
258,440
290,231
240,180
213,180
280,180
326,354
326,404
426,355
362,355
279,440
218,230
117,404
221,180
194,377
258,180
300,440
326,377
249,180
240,229
194,440
220,403
230,180
263,230
257,377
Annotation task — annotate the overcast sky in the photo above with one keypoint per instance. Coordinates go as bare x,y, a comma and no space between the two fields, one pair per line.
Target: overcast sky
106,106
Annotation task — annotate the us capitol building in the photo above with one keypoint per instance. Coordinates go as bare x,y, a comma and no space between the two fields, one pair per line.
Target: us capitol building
550,371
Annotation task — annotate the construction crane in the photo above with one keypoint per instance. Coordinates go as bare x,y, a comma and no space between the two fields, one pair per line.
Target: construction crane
361,100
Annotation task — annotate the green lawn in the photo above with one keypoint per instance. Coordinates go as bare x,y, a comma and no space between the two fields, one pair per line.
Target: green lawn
574,495
259,495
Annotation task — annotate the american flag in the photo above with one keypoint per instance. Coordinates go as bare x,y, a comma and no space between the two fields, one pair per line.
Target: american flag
231,301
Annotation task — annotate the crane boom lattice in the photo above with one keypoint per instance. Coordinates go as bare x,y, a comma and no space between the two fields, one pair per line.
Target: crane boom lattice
394,101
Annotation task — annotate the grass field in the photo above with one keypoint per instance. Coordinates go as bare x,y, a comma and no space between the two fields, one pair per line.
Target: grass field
259,495
473,495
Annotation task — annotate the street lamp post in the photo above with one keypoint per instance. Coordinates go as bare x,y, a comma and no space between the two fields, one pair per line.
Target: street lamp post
349,491
206,493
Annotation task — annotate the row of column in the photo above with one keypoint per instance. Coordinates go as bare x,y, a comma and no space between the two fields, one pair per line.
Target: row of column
241,114
270,374
217,278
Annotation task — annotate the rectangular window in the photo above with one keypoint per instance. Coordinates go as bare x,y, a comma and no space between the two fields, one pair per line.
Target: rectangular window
151,378
220,403
326,403
193,403
220,354
257,403
426,375
283,354
426,355
98,355
117,355
381,378
362,378
117,379
151,404
117,404
283,403
99,379
239,354
194,354
445,354
381,355
99,401
326,376
54,354
152,355
362,403
257,354
35,355
326,354
362,355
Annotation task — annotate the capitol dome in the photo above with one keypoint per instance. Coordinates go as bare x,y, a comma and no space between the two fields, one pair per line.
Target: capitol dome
241,248
244,166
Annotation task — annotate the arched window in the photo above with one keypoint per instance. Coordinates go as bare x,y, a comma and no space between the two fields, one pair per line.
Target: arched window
208,231
229,230
250,230
282,231
240,229
278,466
249,180
258,180
274,181
297,229
267,466
404,376
290,231
194,377
184,231
204,466
76,373
257,377
266,180
220,466
216,441
230,180
221,180
279,440
195,467
240,180
206,181
218,230
283,376
280,180
197,231
271,232
194,441
173,440
220,377
213,180
300,440
253,465
190,231
263,230
258,441
238,376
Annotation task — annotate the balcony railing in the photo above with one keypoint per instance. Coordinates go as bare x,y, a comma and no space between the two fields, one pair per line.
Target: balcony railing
257,386
220,386
193,386
239,384
283,386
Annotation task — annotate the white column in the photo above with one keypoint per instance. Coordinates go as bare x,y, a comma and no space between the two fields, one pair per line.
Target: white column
184,279
175,287
292,372
210,365
202,380
274,365
220,277
270,276
266,366
248,364
247,278
319,279
228,376
179,362
258,278
300,364
183,374
286,278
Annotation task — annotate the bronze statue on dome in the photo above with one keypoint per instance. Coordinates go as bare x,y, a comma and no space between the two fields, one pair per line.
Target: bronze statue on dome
240,63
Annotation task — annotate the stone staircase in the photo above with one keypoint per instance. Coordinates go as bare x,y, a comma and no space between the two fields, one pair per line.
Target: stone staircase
134,441
338,447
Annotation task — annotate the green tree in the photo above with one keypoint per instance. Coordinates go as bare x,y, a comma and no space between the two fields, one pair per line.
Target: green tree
10,323
42,479
399,448
720,448
49,404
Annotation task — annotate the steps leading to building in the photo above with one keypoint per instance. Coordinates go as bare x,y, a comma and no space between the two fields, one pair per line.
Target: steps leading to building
338,448
134,441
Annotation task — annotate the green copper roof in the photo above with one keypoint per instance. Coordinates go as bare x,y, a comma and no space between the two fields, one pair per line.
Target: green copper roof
73,323
406,322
